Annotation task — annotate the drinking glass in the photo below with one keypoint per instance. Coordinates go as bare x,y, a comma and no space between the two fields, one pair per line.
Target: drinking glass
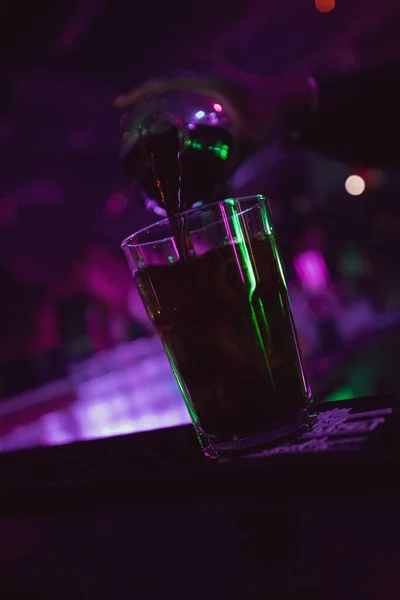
225,322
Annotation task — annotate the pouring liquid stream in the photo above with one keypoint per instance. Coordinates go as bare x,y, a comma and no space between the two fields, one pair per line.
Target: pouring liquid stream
163,154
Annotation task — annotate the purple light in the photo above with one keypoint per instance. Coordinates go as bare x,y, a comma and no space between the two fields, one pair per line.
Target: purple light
312,271
152,205
116,203
126,390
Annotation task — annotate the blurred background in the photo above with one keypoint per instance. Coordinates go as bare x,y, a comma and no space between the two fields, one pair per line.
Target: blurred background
78,359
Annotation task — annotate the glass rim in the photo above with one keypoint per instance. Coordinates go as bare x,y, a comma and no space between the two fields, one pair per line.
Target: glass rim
186,213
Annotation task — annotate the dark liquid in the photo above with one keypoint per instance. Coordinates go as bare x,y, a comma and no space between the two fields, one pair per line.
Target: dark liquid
231,342
163,156
205,161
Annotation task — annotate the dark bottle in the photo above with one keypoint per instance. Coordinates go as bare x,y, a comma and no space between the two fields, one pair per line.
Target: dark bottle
205,126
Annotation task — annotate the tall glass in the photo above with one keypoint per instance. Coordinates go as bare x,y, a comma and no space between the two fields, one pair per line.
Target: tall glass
225,322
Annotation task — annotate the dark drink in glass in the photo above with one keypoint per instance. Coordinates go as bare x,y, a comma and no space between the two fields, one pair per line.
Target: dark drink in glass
224,318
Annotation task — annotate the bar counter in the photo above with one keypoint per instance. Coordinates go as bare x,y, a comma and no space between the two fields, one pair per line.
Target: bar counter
147,515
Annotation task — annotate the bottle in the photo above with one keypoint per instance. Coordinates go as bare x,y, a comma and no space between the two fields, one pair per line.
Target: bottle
205,124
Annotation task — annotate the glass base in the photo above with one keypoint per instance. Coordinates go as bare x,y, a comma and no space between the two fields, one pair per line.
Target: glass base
244,445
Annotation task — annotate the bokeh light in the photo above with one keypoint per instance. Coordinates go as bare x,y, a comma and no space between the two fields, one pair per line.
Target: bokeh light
324,6
311,270
116,204
354,185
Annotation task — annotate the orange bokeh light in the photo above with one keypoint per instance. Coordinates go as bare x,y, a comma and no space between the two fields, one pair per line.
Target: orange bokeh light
324,6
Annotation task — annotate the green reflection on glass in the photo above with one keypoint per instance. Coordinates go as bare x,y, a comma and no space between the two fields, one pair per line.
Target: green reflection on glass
219,149
181,385
264,320
275,252
281,302
264,215
268,228
248,270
